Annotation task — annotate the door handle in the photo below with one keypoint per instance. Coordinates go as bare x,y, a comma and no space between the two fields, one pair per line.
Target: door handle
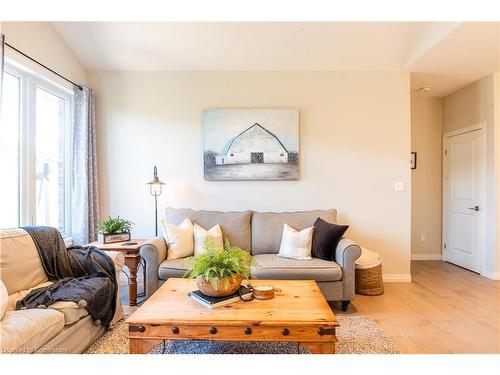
475,208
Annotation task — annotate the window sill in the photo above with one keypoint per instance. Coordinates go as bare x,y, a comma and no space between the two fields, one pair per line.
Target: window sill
68,242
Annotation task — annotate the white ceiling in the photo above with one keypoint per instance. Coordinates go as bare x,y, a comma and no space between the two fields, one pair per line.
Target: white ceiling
237,46
441,84
444,55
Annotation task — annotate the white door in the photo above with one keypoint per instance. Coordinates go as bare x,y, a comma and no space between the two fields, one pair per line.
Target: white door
464,186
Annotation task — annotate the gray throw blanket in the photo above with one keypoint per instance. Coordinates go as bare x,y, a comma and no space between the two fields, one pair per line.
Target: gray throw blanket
82,275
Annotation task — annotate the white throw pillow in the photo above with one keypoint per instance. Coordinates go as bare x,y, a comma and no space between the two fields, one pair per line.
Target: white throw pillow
179,239
4,299
201,234
295,244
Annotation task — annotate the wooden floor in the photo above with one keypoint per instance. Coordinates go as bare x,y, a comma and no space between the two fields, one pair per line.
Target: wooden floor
446,309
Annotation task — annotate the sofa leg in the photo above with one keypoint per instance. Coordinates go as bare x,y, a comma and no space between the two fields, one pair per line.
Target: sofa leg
344,305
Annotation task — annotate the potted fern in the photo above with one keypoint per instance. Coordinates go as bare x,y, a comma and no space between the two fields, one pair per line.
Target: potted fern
219,271
114,229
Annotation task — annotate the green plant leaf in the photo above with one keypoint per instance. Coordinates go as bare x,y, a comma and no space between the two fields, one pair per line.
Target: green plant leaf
115,225
220,262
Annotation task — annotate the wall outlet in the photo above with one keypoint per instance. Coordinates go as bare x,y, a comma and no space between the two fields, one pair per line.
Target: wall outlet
423,237
399,186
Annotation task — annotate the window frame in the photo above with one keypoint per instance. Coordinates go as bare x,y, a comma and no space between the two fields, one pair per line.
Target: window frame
29,82
19,177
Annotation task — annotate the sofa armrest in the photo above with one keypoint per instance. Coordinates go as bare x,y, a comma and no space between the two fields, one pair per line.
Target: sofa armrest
154,252
346,254
119,262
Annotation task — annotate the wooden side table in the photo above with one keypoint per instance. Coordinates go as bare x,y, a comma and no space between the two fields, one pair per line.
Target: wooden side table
132,261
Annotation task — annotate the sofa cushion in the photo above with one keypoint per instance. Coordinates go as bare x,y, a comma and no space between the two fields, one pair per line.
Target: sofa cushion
74,339
201,235
296,244
179,238
235,225
325,239
267,226
20,265
118,260
172,268
4,298
271,266
26,331
71,311
14,297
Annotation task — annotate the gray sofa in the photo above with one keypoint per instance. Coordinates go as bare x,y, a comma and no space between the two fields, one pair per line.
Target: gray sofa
260,233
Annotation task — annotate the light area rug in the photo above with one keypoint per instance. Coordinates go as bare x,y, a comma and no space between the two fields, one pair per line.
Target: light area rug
356,335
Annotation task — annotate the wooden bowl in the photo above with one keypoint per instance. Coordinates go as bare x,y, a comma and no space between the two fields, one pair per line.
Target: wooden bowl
263,292
219,287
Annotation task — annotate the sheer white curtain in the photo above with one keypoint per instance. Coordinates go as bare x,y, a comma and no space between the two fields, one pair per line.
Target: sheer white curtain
85,210
2,45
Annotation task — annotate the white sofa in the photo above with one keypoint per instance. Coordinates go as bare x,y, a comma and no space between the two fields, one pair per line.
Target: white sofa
61,328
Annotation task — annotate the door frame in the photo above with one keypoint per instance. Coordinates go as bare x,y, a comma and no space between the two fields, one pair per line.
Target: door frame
481,127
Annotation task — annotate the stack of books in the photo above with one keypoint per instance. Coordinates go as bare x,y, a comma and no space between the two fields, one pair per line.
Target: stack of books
213,302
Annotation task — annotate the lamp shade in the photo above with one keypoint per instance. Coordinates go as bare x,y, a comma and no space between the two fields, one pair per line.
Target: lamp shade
155,186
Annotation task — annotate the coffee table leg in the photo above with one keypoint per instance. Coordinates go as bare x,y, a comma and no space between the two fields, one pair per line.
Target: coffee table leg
320,347
132,264
136,346
141,346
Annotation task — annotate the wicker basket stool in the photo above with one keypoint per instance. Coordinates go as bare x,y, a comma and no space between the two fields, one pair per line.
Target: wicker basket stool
369,274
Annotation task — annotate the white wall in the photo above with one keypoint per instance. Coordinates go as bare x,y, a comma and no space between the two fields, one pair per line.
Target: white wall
474,104
354,135
40,41
426,180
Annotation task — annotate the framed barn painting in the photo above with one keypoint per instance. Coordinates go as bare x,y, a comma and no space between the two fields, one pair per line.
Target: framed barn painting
251,144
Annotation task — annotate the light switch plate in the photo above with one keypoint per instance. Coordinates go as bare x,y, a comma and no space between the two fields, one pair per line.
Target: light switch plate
399,186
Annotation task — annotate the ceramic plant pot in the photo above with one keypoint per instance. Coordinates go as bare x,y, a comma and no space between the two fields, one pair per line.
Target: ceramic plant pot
219,287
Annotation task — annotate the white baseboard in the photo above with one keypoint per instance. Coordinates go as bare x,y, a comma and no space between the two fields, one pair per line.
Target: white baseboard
396,277
491,275
418,256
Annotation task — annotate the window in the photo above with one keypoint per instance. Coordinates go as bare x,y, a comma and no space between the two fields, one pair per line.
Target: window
9,150
36,133
50,158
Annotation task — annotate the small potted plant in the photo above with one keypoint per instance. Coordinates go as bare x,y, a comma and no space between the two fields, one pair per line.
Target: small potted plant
219,271
114,229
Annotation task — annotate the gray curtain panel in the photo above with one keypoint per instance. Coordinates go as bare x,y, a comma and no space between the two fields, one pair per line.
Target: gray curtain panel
85,187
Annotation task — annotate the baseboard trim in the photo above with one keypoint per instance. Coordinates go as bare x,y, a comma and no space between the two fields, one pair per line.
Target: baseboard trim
434,256
491,275
397,277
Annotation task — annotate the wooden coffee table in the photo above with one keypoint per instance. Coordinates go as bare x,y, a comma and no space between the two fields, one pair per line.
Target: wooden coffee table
298,313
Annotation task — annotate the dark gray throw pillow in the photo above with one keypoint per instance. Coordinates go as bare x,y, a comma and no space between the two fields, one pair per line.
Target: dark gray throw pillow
325,239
